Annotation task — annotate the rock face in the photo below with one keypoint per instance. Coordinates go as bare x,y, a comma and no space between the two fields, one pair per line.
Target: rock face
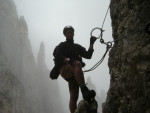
25,87
12,93
48,93
129,59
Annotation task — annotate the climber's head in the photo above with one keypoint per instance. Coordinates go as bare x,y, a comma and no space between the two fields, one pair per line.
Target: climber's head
66,28
68,32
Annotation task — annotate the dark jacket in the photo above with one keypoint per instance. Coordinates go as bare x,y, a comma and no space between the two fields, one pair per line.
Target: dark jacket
69,50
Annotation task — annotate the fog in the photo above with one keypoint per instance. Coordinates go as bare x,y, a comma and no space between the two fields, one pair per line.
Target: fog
46,20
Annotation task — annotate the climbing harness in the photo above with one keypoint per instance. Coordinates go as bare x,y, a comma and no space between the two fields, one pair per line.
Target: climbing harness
109,43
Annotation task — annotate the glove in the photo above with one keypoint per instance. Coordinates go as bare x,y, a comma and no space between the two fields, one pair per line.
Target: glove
92,40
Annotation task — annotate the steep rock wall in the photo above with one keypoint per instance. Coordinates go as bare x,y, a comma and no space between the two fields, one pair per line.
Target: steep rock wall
129,59
9,33
12,93
16,49
20,77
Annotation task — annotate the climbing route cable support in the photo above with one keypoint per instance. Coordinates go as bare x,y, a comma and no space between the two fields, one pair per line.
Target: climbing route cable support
147,29
101,60
109,43
105,16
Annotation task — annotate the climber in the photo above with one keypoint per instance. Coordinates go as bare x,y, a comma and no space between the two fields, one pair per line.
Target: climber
68,56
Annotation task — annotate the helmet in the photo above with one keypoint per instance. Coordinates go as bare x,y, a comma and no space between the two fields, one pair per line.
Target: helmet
66,28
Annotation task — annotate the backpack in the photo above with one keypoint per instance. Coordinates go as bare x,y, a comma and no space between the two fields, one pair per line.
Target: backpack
54,73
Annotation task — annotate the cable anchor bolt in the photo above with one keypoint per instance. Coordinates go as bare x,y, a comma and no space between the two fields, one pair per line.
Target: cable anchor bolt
147,28
131,6
109,45
102,40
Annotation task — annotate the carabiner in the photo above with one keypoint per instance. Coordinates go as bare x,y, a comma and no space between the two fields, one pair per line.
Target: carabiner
101,31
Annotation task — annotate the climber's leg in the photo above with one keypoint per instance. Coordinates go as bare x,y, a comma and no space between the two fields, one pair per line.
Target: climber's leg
74,93
66,73
78,73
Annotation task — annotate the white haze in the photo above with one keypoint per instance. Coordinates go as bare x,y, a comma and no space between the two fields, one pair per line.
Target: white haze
46,20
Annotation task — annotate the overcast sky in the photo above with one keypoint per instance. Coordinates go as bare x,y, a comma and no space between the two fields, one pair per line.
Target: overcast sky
46,20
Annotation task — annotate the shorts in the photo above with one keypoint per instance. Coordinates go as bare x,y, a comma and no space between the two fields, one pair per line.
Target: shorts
67,74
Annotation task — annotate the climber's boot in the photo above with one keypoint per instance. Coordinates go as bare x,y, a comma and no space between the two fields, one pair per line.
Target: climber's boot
88,95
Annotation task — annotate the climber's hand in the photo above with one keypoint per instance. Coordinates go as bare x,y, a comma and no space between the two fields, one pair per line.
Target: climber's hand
92,40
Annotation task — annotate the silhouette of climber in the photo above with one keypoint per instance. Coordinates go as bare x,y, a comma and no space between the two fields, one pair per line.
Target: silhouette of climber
68,56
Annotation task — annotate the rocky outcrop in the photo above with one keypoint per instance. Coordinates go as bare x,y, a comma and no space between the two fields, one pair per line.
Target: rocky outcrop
129,59
95,105
86,107
100,97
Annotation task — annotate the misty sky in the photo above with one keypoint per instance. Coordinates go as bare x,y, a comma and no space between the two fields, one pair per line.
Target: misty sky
46,20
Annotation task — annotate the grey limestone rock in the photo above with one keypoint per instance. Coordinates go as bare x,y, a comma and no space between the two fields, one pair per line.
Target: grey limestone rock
129,59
